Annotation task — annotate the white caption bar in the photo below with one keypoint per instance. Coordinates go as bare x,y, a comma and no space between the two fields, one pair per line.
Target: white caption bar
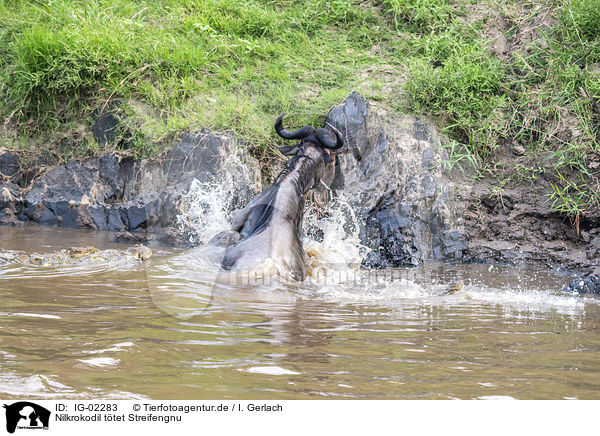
73,417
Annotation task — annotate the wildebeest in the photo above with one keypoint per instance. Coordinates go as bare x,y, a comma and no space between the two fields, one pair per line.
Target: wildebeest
270,227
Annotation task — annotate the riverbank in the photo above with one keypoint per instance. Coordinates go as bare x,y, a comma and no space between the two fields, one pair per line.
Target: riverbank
507,95
400,194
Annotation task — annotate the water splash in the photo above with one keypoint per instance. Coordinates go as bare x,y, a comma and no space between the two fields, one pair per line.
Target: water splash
208,206
530,300
332,243
334,255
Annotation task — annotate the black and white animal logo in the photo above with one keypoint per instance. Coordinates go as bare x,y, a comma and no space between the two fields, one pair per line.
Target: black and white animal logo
26,415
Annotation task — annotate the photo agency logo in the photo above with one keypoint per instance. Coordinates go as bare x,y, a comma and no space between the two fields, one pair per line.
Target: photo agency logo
25,415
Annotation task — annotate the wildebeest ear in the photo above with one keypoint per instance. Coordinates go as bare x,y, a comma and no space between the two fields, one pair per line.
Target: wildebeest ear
288,150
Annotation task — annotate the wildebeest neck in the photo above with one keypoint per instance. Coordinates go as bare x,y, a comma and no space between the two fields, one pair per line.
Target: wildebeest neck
301,170
284,199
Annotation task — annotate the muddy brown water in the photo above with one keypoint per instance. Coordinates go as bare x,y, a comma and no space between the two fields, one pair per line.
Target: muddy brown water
102,330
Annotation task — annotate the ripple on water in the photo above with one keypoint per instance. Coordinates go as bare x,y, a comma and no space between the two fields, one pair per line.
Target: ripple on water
329,336
496,397
42,386
122,346
35,385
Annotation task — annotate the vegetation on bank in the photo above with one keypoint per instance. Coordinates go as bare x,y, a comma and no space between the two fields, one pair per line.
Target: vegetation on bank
495,75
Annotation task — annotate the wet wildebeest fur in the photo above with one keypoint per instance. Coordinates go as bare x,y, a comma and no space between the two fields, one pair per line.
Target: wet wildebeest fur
270,227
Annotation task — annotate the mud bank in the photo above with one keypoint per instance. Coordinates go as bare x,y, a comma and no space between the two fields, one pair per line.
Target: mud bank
393,172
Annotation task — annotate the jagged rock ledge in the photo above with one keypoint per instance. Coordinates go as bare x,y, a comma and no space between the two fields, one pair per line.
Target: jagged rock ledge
391,171
140,199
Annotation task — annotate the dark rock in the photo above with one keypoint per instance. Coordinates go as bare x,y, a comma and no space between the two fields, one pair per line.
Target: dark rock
584,285
129,170
350,119
449,246
9,167
47,218
85,218
108,127
174,238
20,215
131,238
108,169
114,220
33,211
98,215
593,250
396,187
389,233
200,153
65,183
423,132
374,260
136,217
162,211
66,213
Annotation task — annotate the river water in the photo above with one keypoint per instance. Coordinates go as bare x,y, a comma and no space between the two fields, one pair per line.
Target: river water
161,328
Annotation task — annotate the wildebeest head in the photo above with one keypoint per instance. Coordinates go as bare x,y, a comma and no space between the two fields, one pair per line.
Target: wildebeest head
316,144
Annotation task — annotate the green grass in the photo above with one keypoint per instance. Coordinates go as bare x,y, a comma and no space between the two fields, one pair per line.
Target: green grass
181,65
217,64
465,89
544,94
420,15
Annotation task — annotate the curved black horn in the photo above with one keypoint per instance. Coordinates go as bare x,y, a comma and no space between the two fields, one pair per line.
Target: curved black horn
328,143
298,134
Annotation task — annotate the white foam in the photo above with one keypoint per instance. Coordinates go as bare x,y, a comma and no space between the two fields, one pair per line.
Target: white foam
271,370
100,361
36,315
42,386
532,300
338,256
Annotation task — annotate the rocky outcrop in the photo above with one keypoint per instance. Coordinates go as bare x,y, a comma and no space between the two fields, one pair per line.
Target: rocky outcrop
584,285
122,194
412,207
390,171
